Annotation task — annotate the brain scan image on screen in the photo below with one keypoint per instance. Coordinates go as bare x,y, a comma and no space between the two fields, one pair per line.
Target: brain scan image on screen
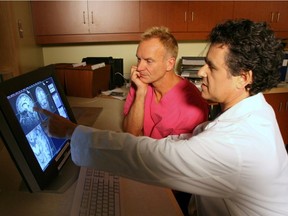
42,98
42,148
28,118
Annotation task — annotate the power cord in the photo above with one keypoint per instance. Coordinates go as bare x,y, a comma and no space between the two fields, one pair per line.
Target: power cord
126,81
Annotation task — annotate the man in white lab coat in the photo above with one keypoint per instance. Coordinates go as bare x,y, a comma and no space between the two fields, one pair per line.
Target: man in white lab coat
236,164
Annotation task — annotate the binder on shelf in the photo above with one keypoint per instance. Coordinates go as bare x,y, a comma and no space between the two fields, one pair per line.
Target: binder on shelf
190,66
190,74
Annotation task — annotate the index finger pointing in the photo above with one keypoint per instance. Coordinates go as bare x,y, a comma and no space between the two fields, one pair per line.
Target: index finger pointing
43,111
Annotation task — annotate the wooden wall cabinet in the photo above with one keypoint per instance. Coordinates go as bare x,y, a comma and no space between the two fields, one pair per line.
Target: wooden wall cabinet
100,21
80,21
84,17
279,102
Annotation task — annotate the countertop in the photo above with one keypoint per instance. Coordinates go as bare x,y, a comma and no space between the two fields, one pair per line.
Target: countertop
281,88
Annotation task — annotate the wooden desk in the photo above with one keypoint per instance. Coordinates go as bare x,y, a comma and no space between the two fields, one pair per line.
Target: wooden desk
140,199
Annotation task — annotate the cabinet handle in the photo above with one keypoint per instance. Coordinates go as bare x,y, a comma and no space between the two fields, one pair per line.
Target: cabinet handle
84,19
272,17
185,16
280,107
192,16
92,17
286,107
278,16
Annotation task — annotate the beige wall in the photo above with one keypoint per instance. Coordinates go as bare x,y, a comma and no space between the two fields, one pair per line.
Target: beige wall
127,51
29,53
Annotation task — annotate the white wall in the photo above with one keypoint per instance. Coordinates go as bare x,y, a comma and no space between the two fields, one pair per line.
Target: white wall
127,51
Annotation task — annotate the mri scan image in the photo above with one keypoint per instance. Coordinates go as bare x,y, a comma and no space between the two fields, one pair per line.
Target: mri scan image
42,148
42,98
28,118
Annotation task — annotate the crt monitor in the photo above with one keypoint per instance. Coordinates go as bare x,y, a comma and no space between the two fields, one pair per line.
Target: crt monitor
38,157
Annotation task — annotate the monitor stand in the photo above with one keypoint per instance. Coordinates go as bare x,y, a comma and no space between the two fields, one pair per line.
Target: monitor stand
65,179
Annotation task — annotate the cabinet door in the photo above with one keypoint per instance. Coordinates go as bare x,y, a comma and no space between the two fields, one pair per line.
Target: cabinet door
113,16
177,15
254,10
152,13
279,102
59,17
204,15
279,16
272,12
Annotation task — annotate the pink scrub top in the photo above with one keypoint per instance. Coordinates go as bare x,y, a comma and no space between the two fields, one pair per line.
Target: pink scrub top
178,112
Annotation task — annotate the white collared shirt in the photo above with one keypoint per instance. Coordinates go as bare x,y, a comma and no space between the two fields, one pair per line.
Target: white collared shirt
235,165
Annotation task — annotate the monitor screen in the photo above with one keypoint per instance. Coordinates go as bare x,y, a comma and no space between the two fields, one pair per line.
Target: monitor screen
38,157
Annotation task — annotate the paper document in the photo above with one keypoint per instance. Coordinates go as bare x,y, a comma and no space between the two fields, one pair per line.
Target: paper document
118,93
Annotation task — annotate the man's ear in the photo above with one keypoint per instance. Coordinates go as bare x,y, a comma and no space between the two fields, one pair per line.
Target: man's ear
245,79
170,63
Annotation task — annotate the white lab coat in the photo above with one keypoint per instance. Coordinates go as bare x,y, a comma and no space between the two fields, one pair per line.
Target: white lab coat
235,165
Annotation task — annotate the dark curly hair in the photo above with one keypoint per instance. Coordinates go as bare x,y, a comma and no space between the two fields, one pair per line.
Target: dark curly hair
252,46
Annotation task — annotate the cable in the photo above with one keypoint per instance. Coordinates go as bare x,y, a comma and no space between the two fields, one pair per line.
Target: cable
126,81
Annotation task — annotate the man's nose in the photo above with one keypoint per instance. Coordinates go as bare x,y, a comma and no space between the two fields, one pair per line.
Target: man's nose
140,65
202,71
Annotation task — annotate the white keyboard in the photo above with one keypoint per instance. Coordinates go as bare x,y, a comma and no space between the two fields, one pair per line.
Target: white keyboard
97,193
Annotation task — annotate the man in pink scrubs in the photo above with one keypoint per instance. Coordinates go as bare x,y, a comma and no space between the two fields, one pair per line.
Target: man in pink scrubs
160,102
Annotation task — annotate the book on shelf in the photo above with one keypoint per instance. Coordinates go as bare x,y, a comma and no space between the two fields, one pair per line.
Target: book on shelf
195,61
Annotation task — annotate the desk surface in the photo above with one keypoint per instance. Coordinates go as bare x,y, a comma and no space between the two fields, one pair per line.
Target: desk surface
141,199
281,88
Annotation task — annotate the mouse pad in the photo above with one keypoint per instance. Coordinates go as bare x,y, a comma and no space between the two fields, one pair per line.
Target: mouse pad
86,115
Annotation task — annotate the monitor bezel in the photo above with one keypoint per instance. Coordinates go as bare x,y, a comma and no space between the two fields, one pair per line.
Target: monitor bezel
14,138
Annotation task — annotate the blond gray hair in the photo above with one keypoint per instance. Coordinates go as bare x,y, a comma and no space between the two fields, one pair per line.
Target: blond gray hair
164,36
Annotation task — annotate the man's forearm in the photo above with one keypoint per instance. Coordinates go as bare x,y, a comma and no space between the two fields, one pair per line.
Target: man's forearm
134,120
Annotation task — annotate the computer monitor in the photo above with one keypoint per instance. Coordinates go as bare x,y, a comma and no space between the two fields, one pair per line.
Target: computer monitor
38,157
